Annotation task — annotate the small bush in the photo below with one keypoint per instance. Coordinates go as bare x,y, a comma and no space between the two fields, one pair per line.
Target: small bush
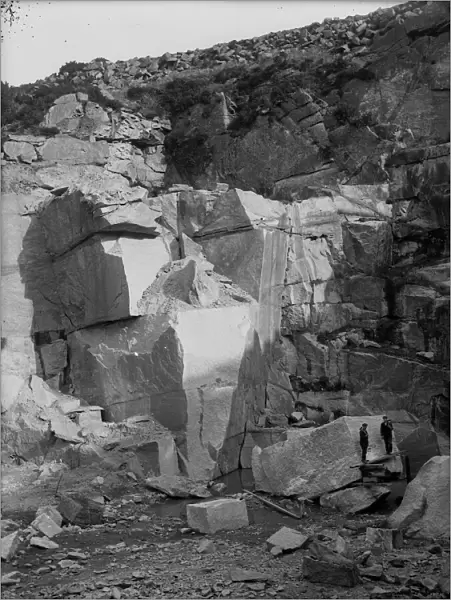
72,67
95,95
48,131
343,113
190,156
179,95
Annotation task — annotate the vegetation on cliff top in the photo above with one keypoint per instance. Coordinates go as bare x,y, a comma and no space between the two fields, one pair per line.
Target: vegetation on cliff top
24,107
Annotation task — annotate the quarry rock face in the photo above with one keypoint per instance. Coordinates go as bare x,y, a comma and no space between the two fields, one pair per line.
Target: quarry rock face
219,269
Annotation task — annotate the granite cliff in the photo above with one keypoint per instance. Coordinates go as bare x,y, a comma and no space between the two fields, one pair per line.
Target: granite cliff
217,237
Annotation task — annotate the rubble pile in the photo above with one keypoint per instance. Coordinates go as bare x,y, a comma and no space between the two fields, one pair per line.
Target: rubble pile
320,558
356,35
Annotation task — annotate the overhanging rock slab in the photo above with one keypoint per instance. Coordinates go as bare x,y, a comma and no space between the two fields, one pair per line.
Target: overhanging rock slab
69,219
103,279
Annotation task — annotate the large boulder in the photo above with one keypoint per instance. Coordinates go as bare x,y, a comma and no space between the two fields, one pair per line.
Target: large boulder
425,509
319,460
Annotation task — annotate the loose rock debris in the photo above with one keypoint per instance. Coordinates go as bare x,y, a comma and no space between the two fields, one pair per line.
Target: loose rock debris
127,557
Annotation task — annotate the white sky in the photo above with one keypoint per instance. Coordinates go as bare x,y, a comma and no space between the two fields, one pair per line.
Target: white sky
51,34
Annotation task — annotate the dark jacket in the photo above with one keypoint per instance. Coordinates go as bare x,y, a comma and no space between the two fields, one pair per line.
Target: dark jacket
363,437
387,429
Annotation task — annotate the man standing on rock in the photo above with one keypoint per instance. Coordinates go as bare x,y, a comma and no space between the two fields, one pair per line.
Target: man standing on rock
387,434
364,441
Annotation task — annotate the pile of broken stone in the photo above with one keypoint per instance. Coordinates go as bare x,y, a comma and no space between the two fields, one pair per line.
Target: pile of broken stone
328,557
40,533
353,35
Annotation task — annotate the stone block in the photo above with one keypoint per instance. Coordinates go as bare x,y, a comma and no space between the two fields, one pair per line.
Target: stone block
69,508
10,545
342,547
217,515
344,574
46,525
51,512
43,542
287,540
387,538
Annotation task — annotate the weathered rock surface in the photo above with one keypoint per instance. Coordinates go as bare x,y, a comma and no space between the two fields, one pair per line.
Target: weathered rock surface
43,542
420,445
385,538
325,566
51,512
177,487
355,499
104,279
10,544
318,461
46,525
425,509
287,540
75,216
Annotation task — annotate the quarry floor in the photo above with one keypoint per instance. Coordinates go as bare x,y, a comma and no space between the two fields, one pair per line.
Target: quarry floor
141,552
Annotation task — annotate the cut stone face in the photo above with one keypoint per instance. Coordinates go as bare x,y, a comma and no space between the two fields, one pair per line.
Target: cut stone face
70,219
170,365
217,515
104,279
45,524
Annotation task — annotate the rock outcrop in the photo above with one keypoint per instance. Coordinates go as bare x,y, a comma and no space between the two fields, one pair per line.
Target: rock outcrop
272,245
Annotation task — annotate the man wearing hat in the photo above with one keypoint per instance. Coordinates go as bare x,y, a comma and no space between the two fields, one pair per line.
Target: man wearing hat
387,434
364,441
